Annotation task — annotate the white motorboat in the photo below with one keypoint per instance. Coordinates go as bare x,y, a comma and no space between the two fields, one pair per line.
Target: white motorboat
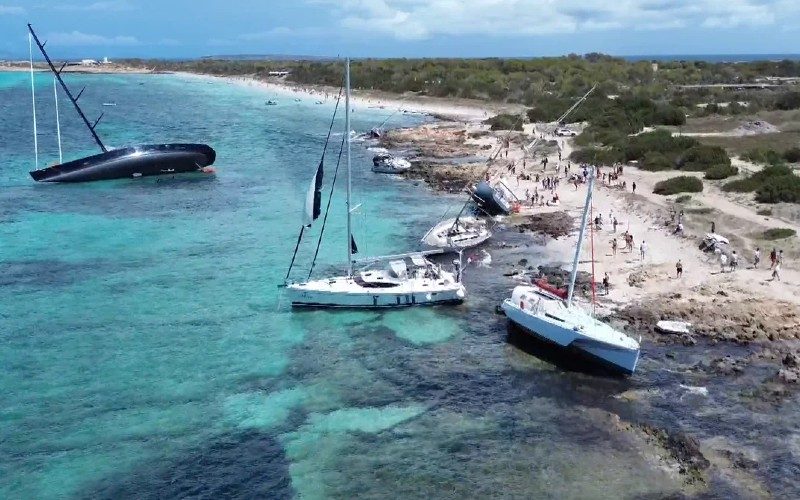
457,234
391,281
545,313
388,164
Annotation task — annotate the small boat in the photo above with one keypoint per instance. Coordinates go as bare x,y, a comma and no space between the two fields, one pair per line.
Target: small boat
493,199
384,282
271,103
546,314
457,234
387,164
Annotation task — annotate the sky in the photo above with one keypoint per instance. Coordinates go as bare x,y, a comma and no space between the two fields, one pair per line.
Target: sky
400,28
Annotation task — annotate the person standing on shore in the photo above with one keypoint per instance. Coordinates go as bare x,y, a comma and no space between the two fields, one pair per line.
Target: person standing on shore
606,283
779,260
633,185
679,269
773,257
713,227
643,249
756,257
614,223
614,246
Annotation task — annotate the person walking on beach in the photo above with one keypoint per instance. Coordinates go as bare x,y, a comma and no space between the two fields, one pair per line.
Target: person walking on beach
633,185
723,261
713,227
606,283
679,269
779,259
643,249
773,257
776,273
734,261
756,257
614,246
614,223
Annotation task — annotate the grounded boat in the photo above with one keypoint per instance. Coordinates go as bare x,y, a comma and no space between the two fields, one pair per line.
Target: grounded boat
457,234
128,162
131,162
271,103
543,312
493,200
390,281
388,164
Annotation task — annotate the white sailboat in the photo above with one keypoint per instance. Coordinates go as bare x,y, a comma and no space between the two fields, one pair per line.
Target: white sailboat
543,312
391,281
457,234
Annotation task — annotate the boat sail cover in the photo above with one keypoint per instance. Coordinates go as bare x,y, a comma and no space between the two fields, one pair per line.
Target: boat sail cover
313,205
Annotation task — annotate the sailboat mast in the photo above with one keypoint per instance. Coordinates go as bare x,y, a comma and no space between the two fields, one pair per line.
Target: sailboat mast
58,122
33,99
349,176
584,220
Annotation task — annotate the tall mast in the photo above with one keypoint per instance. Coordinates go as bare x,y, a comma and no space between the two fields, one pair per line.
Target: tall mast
349,176
73,99
33,99
584,220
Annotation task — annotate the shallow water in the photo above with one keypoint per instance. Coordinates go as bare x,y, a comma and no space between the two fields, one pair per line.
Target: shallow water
147,352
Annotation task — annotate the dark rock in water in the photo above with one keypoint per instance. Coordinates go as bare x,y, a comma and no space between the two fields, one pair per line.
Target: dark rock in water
792,360
739,460
724,366
523,262
554,224
684,449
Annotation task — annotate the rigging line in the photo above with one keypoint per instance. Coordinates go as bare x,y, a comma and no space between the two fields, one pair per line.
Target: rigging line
33,99
327,209
74,100
322,159
591,239
58,122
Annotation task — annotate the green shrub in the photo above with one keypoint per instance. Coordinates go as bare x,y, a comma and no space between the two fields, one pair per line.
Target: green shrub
779,188
778,233
659,141
792,155
700,211
756,180
766,156
596,156
654,162
788,100
680,184
684,198
721,172
505,122
765,211
702,157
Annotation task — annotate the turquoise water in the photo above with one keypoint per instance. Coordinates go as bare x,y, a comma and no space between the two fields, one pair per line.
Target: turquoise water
146,351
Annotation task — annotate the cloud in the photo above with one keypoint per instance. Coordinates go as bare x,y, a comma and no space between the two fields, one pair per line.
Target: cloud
420,19
11,10
169,42
78,38
106,6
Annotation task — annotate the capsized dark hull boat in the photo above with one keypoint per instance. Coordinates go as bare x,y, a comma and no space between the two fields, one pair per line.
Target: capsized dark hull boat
131,162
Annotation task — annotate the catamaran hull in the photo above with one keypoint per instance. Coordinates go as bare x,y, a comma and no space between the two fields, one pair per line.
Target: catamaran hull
376,300
619,359
131,162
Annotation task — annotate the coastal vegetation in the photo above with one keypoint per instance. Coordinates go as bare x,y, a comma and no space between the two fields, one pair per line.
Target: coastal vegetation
772,157
778,233
505,122
718,172
545,84
680,184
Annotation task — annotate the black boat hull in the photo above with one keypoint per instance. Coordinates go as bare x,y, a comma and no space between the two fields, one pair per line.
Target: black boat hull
131,162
